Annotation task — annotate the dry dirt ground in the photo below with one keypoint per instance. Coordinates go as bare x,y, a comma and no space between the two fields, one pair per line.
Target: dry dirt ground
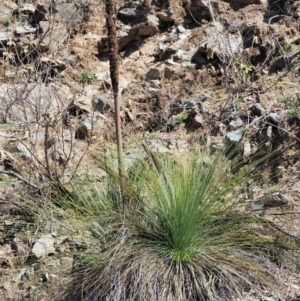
190,72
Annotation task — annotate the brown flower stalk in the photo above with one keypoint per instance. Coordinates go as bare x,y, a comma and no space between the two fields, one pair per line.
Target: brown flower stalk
114,75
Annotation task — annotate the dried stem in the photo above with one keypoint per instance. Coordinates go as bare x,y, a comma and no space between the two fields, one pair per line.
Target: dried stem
16,175
114,74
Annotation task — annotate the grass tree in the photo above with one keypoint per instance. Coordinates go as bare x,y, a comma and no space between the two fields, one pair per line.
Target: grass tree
185,235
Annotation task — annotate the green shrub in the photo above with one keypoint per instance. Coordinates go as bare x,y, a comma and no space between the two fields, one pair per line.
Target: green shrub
184,234
87,77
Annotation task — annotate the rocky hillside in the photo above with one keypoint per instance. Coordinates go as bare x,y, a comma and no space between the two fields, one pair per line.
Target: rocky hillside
191,71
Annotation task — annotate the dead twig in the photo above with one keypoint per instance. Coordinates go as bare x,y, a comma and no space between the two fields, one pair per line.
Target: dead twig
16,175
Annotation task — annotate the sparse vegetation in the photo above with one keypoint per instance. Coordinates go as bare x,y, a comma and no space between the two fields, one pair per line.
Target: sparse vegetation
175,217
293,113
87,77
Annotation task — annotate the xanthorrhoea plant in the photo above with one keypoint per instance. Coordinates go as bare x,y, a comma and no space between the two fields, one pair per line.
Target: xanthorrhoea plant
185,235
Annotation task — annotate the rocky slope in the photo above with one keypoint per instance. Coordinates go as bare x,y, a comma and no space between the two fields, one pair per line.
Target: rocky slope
190,71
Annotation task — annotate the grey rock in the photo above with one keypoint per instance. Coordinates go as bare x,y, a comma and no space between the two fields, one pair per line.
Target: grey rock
166,16
44,26
179,54
197,120
129,12
69,13
219,42
91,36
44,246
89,90
153,20
171,120
103,102
85,122
168,73
28,9
54,37
22,275
84,129
25,29
146,30
269,201
158,147
66,13
139,126
257,109
236,124
269,132
180,29
189,104
274,118
179,44
235,136
82,102
188,65
247,148
7,8
5,37
153,74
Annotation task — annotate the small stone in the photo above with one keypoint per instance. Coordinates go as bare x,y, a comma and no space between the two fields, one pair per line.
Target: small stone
235,136
22,276
89,90
247,148
25,30
168,73
236,124
91,36
180,29
197,120
189,65
103,102
166,16
153,73
189,104
28,9
5,37
84,129
269,132
257,109
146,30
274,118
139,126
128,12
171,120
44,246
153,20
179,54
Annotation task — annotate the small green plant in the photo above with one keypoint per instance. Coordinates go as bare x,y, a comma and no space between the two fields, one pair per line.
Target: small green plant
8,55
244,70
182,117
7,127
284,99
293,113
87,77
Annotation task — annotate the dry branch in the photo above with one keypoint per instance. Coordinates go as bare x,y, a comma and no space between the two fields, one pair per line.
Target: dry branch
16,175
